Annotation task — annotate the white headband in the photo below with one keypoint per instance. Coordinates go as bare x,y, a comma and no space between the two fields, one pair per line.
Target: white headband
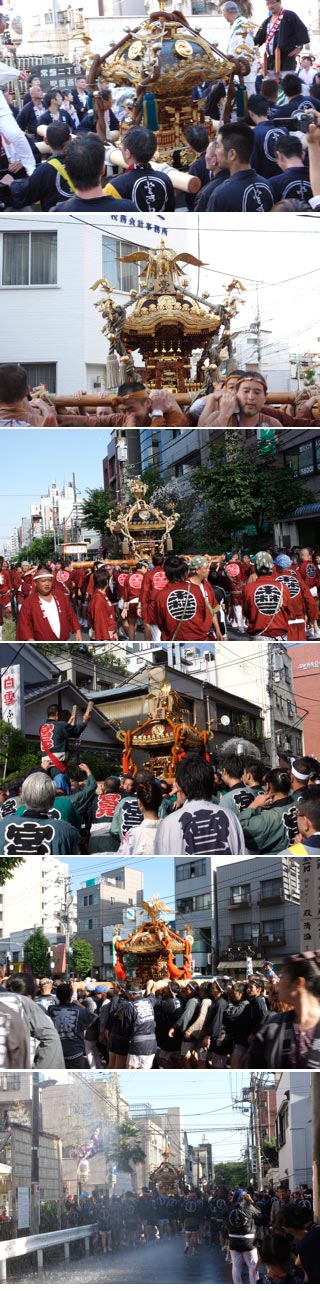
297,774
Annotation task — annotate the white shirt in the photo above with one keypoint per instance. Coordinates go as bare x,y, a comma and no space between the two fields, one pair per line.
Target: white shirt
15,143
51,612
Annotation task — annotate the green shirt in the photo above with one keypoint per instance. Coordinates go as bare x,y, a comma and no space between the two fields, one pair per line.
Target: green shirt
270,829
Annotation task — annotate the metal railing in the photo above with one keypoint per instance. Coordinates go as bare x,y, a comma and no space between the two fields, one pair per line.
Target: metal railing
40,1242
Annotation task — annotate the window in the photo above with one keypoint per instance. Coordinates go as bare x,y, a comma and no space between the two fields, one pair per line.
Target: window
130,901
306,458
273,930
271,888
203,902
191,871
125,277
292,460
10,1080
317,452
242,932
202,941
29,259
241,895
185,905
282,1125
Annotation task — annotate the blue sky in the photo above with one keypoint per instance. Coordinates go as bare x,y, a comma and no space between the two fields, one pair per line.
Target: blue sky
210,1108
32,460
158,872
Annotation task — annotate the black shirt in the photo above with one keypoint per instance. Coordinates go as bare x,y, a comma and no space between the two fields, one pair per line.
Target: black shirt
70,1022
203,198
292,183
45,186
245,191
309,1251
299,104
94,204
150,190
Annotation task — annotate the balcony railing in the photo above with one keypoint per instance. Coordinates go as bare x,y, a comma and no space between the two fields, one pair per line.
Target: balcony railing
263,899
269,939
240,902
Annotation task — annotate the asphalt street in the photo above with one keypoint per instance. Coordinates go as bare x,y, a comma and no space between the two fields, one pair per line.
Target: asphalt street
159,1262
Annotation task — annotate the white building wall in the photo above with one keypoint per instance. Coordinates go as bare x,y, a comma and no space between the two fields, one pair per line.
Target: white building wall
34,895
60,323
295,1157
245,673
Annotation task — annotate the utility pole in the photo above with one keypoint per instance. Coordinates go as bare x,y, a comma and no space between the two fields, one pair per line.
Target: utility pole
64,918
315,1107
35,1132
255,1109
270,691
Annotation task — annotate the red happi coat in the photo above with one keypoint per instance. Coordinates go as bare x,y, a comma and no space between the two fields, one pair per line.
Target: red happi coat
64,578
33,626
153,582
267,606
182,613
303,605
237,576
5,587
309,571
101,617
132,591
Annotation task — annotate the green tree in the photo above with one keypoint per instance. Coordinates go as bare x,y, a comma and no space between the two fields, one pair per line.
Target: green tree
96,508
127,1151
232,1173
101,766
81,958
39,549
8,865
309,376
29,761
244,492
270,1152
152,478
35,949
186,504
13,745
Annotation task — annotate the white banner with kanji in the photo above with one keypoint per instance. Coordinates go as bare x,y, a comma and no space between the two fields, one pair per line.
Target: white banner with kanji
11,695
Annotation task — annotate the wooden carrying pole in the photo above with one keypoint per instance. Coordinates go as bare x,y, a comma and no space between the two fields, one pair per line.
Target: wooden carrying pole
117,403
180,178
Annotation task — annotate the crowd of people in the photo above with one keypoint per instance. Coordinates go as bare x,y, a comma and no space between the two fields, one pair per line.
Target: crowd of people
270,1233
240,808
273,594
239,398
275,1237
54,147
269,1020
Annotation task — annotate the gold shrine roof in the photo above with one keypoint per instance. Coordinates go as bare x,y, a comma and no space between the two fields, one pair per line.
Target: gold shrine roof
170,309
153,938
167,57
162,732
